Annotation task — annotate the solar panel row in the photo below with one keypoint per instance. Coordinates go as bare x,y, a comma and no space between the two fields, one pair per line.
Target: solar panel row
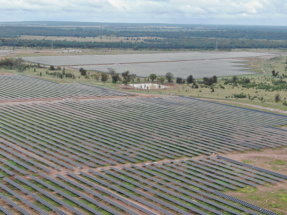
22,87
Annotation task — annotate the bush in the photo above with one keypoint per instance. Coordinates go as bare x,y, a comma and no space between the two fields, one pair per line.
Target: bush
275,74
169,77
190,79
234,78
68,75
240,96
247,80
152,77
210,81
277,97
83,72
51,68
179,80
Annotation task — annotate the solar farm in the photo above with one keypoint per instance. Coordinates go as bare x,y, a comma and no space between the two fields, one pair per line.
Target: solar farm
21,88
199,69
199,64
135,155
136,58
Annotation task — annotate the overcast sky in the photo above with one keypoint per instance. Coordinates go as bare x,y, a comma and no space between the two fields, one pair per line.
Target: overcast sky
249,12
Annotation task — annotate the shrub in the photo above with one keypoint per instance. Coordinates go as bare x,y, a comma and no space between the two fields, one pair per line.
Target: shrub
277,97
152,77
190,79
240,96
169,77
51,68
209,81
179,80
83,72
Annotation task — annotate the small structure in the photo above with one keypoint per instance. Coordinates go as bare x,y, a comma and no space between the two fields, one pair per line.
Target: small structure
147,86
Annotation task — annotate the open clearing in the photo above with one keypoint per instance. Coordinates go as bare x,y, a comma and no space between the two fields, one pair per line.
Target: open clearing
137,58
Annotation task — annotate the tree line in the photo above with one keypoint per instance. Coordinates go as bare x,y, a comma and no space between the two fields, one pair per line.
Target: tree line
14,32
163,44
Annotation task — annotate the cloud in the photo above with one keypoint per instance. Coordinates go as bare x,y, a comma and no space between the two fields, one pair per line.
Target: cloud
158,11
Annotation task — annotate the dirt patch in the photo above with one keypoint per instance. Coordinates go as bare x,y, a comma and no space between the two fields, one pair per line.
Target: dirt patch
274,160
269,196
283,127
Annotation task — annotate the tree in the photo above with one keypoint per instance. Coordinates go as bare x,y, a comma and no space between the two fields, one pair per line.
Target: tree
97,76
111,71
64,71
247,80
133,77
126,76
275,74
169,77
83,72
190,79
161,80
234,78
51,68
179,80
277,97
115,76
40,73
104,77
214,79
210,81
152,77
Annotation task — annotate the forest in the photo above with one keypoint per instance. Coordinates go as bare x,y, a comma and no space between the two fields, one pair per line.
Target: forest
159,37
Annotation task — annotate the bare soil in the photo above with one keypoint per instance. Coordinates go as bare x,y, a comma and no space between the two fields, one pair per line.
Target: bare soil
268,196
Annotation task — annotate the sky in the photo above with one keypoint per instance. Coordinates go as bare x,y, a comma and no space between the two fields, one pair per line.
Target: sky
238,12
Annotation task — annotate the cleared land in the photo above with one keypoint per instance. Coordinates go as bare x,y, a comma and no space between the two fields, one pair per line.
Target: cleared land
138,58
199,69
